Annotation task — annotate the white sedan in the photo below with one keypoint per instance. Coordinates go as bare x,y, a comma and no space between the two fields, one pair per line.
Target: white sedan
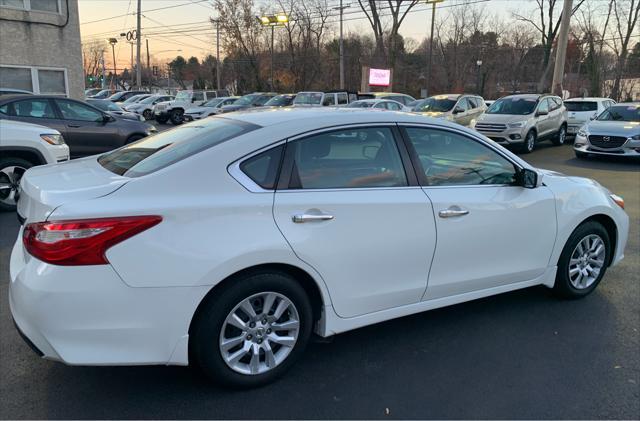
225,242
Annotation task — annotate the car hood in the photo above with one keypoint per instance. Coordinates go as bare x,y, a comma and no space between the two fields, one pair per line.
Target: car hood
35,129
614,128
550,178
124,115
435,114
502,118
44,188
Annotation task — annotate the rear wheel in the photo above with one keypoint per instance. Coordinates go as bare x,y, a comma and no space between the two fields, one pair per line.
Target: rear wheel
177,116
11,172
560,137
147,114
253,331
583,261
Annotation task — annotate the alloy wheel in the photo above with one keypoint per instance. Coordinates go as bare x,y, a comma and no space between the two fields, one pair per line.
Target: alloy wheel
530,141
9,182
259,333
562,135
587,261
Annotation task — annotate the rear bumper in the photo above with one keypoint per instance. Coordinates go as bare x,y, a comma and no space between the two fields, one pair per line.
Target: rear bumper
86,315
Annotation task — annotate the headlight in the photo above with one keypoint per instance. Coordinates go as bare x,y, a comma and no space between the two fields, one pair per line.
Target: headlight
636,137
583,133
53,139
517,124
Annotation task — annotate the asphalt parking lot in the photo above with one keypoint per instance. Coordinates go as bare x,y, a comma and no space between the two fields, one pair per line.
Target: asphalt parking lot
520,355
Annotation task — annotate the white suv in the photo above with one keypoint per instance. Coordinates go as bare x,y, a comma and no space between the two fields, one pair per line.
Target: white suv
582,110
174,110
23,145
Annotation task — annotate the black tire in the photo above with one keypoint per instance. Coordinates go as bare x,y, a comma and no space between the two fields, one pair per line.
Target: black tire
147,114
563,286
205,353
7,204
581,155
529,142
161,120
133,138
561,137
177,116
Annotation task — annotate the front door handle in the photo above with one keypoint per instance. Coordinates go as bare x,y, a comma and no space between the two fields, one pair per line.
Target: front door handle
453,212
308,217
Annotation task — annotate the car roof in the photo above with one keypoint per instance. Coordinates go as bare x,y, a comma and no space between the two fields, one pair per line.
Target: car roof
318,117
628,104
589,98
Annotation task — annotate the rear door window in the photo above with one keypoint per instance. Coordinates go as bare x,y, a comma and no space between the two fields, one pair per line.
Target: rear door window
329,100
263,168
34,108
343,99
197,97
159,151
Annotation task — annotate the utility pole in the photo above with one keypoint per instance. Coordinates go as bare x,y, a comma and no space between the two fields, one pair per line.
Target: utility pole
104,73
272,31
341,49
430,56
218,54
131,43
561,52
148,59
138,39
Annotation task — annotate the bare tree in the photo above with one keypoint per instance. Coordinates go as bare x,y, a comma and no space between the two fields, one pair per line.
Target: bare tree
547,26
626,13
375,13
593,32
91,56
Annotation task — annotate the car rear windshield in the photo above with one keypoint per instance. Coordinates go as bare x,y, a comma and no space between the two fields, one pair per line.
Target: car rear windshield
309,98
581,105
360,104
279,101
513,106
440,105
621,113
159,151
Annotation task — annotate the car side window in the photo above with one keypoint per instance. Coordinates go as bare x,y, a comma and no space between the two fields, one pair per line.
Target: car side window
343,99
197,96
76,111
263,168
543,106
462,105
451,159
554,103
473,102
349,158
328,100
392,106
34,108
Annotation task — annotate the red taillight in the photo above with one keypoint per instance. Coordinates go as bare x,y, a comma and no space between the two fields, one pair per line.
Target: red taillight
81,242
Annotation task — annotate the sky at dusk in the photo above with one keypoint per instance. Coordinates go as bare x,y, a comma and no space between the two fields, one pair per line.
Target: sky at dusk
172,25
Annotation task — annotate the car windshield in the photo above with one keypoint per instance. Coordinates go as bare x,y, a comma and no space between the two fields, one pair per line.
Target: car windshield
155,152
581,105
279,100
513,106
247,99
105,105
183,96
149,99
621,113
213,103
134,98
308,98
435,104
360,104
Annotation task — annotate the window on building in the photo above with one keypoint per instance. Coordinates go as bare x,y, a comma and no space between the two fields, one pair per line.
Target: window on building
33,79
52,6
16,77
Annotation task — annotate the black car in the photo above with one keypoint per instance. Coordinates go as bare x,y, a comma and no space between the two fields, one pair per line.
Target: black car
256,99
86,129
282,100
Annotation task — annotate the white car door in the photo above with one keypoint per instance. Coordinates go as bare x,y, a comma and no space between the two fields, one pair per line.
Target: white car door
347,207
490,231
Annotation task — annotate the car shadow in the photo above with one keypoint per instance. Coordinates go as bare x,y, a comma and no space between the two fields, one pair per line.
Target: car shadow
607,163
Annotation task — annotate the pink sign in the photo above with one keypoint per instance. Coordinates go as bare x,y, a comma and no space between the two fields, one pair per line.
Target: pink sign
379,77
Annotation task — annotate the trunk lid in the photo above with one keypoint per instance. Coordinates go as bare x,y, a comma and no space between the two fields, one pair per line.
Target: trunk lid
44,188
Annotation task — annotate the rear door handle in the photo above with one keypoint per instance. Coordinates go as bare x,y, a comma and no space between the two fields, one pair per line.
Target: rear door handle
307,217
453,212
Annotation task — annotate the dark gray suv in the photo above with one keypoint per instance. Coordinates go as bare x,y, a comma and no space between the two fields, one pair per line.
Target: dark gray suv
86,129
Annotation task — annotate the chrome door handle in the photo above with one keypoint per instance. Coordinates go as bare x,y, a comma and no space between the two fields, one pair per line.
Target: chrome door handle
452,212
306,217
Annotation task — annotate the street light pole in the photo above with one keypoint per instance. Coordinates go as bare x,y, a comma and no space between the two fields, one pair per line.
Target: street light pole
341,48
113,42
138,39
271,78
218,54
273,20
478,90
430,57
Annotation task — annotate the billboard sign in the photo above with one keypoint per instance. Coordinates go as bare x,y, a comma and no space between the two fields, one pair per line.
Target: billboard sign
379,77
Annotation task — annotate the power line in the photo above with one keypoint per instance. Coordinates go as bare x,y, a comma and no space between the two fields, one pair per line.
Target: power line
146,11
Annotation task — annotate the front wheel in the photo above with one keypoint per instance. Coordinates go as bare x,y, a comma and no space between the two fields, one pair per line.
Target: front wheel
252,332
529,142
11,171
583,261
177,116
560,137
147,114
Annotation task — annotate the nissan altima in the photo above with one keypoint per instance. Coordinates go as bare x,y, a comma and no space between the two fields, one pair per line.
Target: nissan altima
226,242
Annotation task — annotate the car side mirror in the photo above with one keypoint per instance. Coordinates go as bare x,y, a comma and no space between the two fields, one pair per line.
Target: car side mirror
107,118
539,113
527,178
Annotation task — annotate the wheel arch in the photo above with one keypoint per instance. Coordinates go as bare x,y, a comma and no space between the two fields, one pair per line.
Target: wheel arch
301,276
30,154
610,226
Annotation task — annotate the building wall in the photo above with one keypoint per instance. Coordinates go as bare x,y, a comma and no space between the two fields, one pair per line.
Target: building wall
44,39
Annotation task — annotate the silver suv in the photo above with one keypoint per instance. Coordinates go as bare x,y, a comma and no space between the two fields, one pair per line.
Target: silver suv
523,120
459,108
